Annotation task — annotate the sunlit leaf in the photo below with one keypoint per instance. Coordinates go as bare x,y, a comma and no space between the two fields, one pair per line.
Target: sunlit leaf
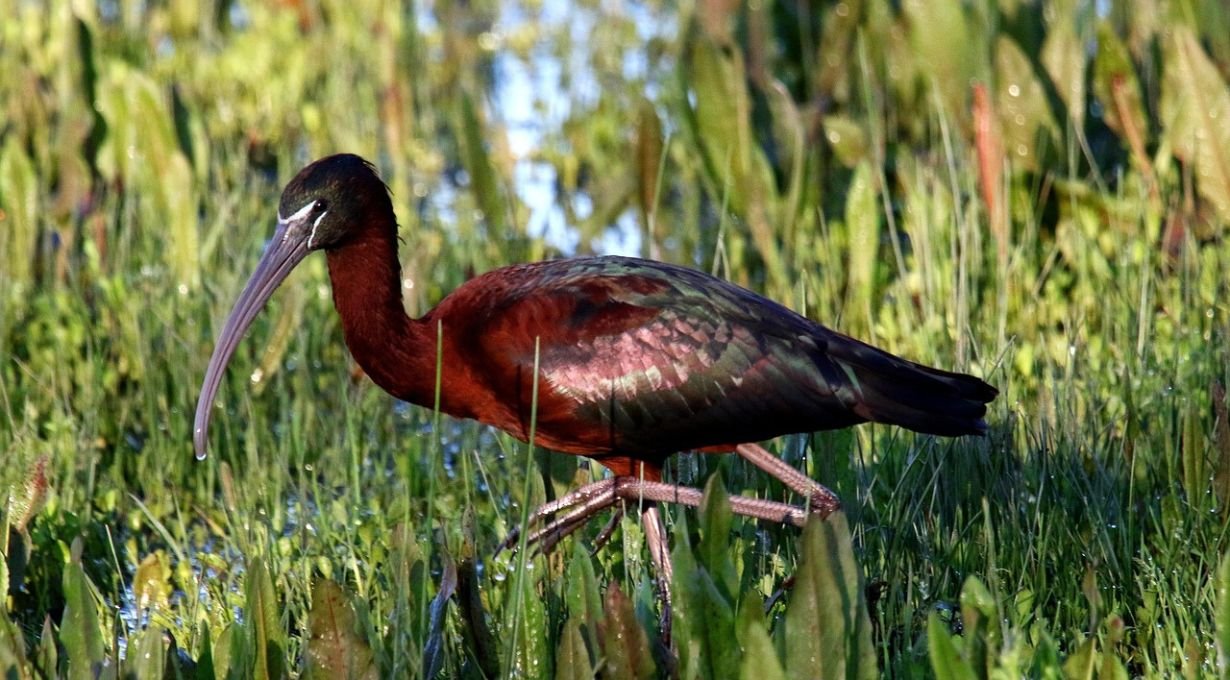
150,583
147,654
846,138
1025,117
863,223
20,205
828,628
1063,56
1118,89
1081,663
1195,107
760,660
335,648
941,37
571,657
624,642
649,158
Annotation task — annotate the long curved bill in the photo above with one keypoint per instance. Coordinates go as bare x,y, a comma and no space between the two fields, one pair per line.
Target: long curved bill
287,248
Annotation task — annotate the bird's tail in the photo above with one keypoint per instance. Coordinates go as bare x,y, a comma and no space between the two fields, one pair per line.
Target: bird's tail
893,390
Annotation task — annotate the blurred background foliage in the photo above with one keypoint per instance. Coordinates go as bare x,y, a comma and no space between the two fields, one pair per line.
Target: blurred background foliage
1035,191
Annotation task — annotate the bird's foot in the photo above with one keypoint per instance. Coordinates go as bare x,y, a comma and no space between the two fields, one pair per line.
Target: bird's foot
577,508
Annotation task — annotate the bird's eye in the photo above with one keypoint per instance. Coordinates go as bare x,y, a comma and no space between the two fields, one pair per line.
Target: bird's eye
321,207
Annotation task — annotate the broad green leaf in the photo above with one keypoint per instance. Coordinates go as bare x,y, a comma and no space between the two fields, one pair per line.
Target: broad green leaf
525,617
1025,117
790,138
475,626
687,621
13,661
150,584
1221,614
582,596
264,627
19,200
81,631
833,61
982,631
141,150
737,166
571,657
228,654
433,648
47,656
1081,663
715,518
946,661
624,641
940,35
649,159
704,618
1195,107
1195,468
828,628
335,649
147,654
846,138
1116,86
760,660
1063,56
484,179
863,224
721,114
1221,447
205,669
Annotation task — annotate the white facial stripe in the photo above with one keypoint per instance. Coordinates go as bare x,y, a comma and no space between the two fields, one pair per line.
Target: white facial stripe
312,236
298,216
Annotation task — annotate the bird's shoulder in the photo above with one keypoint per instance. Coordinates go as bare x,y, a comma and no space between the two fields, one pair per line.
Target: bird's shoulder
621,327
592,297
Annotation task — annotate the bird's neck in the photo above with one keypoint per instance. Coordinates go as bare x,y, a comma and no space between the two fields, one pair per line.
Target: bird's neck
397,352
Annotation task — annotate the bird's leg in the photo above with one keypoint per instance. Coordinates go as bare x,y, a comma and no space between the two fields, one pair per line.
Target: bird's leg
581,503
655,535
633,488
821,501
607,531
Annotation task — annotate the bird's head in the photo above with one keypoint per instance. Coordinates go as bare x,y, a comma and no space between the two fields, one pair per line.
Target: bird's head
328,202
325,207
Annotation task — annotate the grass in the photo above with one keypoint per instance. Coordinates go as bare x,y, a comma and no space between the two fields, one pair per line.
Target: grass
335,531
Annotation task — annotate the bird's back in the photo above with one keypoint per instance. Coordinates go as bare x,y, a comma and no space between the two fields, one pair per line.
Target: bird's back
644,358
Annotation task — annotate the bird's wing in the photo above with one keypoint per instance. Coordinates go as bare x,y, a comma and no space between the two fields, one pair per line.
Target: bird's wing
641,356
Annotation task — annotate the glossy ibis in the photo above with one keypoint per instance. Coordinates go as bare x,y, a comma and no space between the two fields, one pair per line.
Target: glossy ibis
636,360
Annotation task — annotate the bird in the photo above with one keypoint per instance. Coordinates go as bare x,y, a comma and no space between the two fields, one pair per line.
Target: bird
622,360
